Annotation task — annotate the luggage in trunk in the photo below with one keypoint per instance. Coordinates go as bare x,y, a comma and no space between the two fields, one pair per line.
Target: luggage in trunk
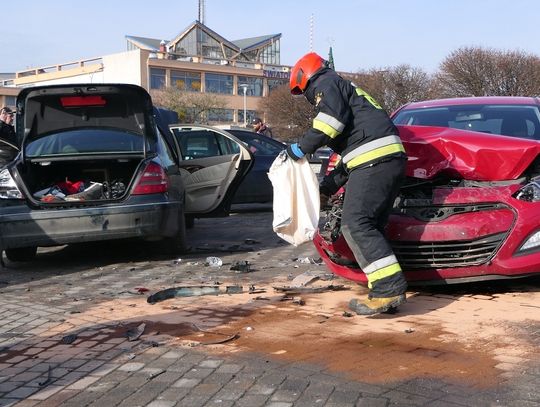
76,182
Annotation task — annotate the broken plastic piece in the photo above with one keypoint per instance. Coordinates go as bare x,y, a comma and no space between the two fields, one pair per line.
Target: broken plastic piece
234,289
255,290
298,300
192,292
214,261
242,266
69,339
220,341
48,379
303,280
293,290
183,292
141,290
134,334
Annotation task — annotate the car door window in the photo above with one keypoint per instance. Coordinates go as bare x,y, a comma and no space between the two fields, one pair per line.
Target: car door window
204,143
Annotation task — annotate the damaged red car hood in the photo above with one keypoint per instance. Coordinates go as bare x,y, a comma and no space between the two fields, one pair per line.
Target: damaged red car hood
436,151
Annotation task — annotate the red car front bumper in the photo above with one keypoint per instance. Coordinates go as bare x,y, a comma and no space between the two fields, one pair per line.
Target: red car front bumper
481,243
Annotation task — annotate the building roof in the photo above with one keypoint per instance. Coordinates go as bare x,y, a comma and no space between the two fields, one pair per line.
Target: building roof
212,33
246,44
150,44
240,46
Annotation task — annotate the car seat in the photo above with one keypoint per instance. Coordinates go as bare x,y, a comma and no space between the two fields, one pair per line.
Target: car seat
514,126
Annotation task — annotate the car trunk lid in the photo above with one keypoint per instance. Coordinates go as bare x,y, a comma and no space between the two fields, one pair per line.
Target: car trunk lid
42,111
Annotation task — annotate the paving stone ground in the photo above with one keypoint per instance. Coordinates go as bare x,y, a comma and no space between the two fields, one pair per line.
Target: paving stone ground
66,317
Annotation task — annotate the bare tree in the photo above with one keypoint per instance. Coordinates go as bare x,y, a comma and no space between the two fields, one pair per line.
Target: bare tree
475,71
392,87
289,116
192,107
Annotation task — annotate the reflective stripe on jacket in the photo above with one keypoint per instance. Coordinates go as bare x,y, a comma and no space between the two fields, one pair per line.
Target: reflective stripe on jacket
373,151
349,121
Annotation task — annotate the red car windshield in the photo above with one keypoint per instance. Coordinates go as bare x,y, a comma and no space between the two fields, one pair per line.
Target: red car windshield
509,120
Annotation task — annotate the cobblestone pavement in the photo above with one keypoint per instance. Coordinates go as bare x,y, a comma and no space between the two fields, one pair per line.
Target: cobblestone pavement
77,330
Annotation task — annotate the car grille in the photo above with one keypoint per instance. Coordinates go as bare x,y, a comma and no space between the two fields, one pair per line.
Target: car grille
462,253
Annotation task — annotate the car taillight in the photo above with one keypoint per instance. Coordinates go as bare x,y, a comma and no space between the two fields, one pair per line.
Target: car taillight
332,161
8,188
153,181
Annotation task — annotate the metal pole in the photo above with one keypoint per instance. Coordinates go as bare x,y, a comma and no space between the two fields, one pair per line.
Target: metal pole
245,107
244,87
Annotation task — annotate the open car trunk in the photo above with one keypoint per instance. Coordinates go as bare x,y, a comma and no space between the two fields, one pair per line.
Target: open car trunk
82,143
78,181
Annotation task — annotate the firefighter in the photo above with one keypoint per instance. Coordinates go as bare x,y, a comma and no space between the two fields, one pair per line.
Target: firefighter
373,164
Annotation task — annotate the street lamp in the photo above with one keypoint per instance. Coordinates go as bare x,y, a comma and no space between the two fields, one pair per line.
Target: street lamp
244,87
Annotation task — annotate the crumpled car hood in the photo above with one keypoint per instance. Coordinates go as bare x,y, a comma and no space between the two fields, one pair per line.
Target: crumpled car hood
436,151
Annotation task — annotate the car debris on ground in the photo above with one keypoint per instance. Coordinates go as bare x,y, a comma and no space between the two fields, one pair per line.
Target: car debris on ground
193,291
241,266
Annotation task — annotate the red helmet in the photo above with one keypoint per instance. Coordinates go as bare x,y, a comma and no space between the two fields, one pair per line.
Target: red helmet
303,70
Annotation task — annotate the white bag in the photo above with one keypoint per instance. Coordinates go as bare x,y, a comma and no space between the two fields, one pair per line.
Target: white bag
296,199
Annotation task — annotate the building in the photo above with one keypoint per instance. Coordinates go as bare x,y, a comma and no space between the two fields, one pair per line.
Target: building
197,60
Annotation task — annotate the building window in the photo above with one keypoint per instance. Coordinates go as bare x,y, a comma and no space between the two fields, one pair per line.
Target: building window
209,47
157,78
188,81
10,101
216,83
255,86
220,115
270,53
250,115
188,45
276,83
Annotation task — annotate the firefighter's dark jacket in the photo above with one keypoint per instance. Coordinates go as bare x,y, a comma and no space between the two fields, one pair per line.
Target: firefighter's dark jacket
349,121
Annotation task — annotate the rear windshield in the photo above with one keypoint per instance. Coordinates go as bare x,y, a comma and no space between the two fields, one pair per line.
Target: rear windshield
510,120
85,141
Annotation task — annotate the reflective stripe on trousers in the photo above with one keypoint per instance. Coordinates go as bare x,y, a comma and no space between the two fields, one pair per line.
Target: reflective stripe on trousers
369,196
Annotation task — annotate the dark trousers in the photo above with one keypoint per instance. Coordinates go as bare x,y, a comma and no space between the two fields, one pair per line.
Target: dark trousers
369,197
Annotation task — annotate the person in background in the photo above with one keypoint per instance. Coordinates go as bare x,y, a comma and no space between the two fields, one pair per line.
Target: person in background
261,128
373,165
7,131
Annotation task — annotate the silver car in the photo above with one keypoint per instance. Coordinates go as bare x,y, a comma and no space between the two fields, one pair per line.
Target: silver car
95,165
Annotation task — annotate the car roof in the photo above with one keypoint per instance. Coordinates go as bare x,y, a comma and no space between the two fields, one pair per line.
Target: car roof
477,100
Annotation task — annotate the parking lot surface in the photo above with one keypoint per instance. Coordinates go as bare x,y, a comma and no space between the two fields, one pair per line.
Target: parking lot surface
78,330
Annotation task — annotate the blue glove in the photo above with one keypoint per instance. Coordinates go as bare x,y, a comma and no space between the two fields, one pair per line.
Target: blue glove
294,152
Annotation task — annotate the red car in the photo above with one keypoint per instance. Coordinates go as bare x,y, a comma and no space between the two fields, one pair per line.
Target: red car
469,209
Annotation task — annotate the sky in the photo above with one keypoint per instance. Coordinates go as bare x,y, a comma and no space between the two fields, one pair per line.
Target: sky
364,34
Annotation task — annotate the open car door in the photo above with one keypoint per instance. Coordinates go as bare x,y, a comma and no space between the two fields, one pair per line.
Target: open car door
213,163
